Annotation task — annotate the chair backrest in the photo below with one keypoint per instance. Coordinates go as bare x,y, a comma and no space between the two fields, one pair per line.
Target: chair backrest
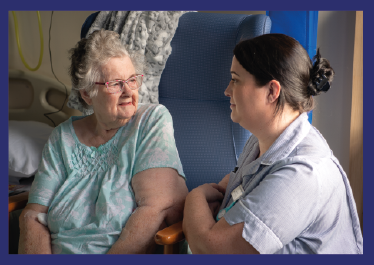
301,25
192,87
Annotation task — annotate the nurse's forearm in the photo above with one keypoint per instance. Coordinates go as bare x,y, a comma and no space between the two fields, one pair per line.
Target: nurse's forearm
137,237
34,238
197,222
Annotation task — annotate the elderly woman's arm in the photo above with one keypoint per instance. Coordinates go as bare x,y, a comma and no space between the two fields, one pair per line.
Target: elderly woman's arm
160,194
34,238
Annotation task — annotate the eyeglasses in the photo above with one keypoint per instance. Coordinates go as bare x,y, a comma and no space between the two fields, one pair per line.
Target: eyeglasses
116,86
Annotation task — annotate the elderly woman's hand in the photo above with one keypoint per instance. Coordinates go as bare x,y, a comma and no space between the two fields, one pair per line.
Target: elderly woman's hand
34,238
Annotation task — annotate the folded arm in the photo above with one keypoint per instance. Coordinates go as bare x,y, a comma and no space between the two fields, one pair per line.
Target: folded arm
35,238
203,233
160,194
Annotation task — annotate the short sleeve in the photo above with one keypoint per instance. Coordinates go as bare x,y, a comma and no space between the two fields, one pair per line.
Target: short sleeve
51,173
279,209
157,146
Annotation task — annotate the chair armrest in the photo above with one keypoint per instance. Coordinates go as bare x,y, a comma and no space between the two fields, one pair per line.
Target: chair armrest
17,202
170,235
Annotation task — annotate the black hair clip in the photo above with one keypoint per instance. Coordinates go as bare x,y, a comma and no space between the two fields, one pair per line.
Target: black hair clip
323,84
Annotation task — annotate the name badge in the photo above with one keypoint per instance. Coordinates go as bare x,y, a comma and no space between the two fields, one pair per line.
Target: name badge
237,193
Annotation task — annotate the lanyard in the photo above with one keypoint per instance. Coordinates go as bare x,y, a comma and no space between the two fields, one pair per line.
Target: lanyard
236,194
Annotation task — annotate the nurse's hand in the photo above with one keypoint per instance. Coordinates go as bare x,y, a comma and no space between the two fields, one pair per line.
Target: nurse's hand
223,183
214,207
212,192
218,187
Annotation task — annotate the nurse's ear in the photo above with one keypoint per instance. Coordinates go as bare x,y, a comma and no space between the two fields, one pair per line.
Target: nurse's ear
274,88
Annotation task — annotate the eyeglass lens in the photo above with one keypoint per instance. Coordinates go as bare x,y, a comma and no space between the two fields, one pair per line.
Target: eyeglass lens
117,85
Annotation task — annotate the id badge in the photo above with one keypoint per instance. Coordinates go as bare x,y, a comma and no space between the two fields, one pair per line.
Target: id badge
236,194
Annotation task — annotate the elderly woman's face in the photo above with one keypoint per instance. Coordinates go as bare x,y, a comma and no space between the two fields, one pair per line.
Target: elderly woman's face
116,108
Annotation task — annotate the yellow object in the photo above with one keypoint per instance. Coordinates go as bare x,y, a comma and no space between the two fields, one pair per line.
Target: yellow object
19,45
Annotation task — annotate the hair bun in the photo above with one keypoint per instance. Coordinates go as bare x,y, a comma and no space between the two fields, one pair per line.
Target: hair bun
321,75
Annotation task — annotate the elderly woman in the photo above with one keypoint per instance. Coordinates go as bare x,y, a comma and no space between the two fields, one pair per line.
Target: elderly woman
288,193
108,181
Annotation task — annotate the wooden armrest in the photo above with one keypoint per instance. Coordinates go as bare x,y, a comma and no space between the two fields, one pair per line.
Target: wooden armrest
170,235
17,202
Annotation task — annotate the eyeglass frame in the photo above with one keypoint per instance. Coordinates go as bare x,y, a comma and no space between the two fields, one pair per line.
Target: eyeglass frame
125,81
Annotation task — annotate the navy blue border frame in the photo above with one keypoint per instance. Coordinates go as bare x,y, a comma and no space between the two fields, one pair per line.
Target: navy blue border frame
188,5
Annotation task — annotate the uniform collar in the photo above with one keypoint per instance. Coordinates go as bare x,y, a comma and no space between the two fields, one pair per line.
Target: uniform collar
288,140
283,145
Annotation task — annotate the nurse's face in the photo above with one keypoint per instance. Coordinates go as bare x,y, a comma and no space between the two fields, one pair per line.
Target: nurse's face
248,101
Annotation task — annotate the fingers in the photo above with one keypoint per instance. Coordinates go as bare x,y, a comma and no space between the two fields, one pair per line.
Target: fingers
211,193
218,187
215,193
214,207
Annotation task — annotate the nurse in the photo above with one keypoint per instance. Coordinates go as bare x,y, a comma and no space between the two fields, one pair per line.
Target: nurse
288,193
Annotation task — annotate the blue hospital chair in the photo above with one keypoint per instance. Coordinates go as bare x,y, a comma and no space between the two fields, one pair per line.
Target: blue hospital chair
192,88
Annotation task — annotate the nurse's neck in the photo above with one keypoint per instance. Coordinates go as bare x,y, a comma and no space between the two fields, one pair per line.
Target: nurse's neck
274,128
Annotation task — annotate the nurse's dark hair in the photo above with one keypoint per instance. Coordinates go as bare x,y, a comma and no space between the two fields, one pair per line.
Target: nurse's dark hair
282,58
